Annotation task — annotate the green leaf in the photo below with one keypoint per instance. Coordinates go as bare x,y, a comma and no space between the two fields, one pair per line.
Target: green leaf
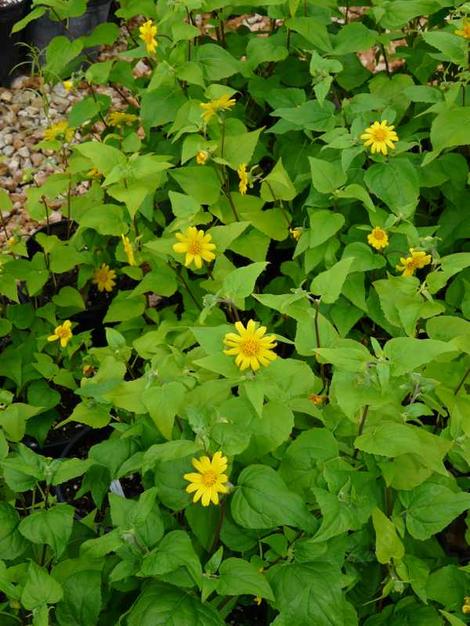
308,594
51,526
327,176
393,440
407,354
277,185
313,30
396,183
354,37
240,283
163,403
387,543
239,149
329,284
238,577
59,53
107,219
39,588
216,62
451,128
323,225
12,544
359,193
453,47
81,603
175,551
165,605
125,306
431,507
201,183
255,503
102,156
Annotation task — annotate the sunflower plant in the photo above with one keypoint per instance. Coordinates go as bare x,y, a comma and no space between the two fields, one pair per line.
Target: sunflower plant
234,379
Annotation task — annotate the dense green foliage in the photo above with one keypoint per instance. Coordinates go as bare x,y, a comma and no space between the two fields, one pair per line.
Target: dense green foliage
349,454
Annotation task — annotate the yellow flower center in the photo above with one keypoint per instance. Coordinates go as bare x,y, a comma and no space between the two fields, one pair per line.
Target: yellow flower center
250,347
194,247
379,234
62,332
209,478
380,134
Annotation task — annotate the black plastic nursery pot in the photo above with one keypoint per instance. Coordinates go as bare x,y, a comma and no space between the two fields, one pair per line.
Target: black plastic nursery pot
10,51
43,30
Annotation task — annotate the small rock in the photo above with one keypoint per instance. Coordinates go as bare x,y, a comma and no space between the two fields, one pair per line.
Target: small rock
14,165
17,142
37,158
5,214
6,96
8,139
8,150
24,152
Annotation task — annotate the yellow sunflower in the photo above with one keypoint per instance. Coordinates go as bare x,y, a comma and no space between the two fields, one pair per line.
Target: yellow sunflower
209,109
62,333
251,347
118,119
60,130
416,261
148,32
196,245
378,238
380,137
210,479
201,157
465,33
296,232
128,249
104,278
68,85
243,176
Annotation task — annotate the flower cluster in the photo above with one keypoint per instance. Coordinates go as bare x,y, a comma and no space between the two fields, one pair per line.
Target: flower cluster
416,260
210,109
148,34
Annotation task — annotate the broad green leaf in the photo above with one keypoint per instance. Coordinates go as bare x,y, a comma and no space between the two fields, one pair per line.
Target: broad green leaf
201,183
407,353
277,185
241,282
239,149
396,183
255,503
393,439
160,604
451,128
329,284
81,603
12,543
431,507
102,156
39,588
308,594
388,545
238,577
327,176
354,37
175,551
50,526
163,404
453,47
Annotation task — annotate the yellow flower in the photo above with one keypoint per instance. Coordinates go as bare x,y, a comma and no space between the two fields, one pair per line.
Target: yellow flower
63,332
104,278
243,176
466,605
224,103
251,347
196,245
201,157
209,480
258,600
317,400
60,130
119,119
416,261
128,249
147,33
465,33
68,85
380,136
296,232
378,238
94,173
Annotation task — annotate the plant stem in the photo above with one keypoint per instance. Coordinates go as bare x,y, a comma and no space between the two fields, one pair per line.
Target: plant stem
384,53
361,427
216,541
186,286
462,382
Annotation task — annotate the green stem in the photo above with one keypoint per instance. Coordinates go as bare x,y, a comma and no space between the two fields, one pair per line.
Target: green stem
462,382
361,427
